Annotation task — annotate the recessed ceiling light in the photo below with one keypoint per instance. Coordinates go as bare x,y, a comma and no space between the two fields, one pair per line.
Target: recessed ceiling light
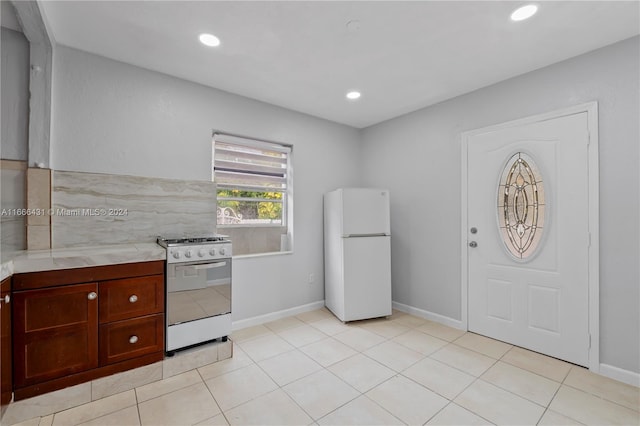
353,95
209,40
524,12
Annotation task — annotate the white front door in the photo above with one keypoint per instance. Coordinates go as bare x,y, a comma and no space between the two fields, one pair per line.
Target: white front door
528,234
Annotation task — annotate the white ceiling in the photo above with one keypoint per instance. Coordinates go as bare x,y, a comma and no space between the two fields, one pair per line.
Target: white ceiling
301,55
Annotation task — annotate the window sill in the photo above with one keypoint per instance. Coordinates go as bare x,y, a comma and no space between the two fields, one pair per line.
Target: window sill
250,225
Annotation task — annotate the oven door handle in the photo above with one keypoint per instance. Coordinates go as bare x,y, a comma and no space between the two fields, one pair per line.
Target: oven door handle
204,266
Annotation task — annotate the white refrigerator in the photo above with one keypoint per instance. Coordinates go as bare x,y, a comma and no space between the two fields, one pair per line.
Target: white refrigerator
357,253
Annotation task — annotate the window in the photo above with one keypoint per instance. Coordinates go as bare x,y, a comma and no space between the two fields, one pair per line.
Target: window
253,180
521,206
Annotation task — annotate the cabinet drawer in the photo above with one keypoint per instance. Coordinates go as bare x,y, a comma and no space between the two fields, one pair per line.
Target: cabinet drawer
130,298
132,338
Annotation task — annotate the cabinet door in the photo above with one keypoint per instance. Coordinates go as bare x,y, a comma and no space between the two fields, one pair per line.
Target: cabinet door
55,332
5,343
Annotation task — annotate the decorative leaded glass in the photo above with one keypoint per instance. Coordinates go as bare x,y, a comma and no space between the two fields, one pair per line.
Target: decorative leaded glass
521,206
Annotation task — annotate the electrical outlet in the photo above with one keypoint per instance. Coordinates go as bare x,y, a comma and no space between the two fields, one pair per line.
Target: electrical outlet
311,278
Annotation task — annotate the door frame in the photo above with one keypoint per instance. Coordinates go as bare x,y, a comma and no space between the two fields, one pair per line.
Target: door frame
591,108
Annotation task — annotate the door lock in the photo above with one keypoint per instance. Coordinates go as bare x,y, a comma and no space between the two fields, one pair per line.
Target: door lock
473,230
473,244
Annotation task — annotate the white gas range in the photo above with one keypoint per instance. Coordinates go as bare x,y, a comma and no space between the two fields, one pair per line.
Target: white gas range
198,290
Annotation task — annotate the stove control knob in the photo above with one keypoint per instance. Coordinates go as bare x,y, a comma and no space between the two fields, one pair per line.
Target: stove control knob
222,251
187,253
212,252
202,252
176,254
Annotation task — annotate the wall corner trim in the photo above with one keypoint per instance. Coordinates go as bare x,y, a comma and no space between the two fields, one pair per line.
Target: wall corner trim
34,26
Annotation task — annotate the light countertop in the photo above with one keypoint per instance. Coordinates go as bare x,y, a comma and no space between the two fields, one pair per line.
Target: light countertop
80,257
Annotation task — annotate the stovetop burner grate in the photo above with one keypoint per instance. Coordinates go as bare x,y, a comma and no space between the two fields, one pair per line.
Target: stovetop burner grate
192,240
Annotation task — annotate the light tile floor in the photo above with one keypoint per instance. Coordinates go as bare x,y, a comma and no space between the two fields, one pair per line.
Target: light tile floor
313,369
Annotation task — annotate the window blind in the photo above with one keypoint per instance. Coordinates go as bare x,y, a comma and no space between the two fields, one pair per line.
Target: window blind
250,165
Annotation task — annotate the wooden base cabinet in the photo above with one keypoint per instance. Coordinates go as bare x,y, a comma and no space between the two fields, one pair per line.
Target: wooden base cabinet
6,381
56,332
68,331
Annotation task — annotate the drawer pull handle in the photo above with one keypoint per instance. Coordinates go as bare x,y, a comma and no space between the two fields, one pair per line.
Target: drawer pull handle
7,299
92,296
133,298
133,339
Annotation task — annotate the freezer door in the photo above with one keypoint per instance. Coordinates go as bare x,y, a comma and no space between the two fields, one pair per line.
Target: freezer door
367,277
365,211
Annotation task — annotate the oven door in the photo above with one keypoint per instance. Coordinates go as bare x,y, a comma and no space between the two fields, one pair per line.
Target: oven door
198,290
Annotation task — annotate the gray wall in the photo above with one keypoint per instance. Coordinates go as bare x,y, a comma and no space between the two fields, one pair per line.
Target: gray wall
15,134
15,95
110,117
418,157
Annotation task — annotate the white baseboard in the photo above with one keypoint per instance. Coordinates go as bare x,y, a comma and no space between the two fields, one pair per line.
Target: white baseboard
429,315
272,316
625,376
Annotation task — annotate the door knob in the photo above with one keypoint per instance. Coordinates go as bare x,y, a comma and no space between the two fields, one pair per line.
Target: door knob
92,296
473,244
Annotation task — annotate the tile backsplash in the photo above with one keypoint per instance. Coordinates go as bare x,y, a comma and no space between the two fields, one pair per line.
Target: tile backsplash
38,199
94,208
13,194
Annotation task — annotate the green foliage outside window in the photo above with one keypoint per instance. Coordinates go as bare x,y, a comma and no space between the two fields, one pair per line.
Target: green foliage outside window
249,209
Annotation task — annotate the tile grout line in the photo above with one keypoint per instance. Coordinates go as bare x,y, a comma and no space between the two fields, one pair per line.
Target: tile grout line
513,393
397,373
167,393
599,397
551,401
464,408
423,356
204,382
456,368
347,384
315,421
135,392
476,378
360,394
529,371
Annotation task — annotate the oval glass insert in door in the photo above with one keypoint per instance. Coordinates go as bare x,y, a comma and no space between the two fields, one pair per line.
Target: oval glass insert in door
521,206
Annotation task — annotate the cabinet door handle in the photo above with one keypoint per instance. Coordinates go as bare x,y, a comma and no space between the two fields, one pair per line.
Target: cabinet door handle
133,298
7,299
133,339
92,296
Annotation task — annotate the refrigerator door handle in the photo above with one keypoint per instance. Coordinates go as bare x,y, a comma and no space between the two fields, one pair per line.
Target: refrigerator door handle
382,234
